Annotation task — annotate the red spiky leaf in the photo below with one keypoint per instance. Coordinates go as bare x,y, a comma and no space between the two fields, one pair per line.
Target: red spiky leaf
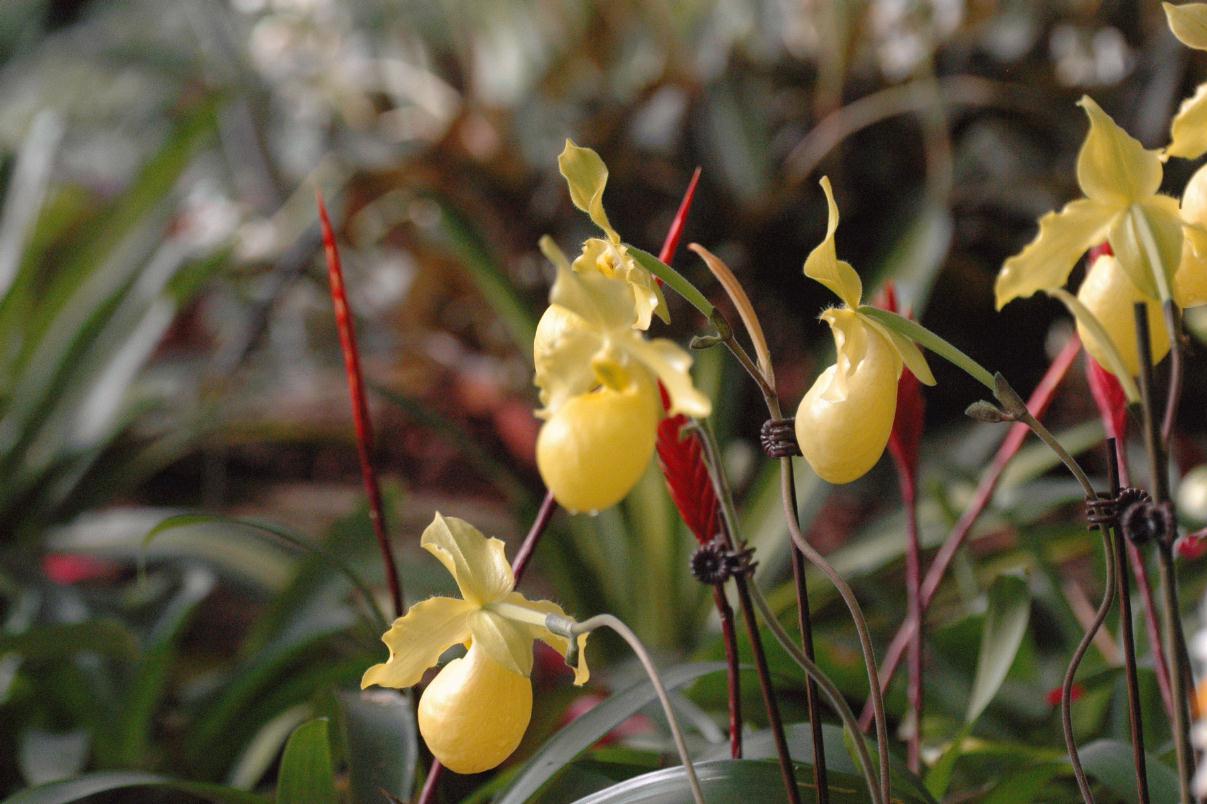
906,438
1108,397
681,457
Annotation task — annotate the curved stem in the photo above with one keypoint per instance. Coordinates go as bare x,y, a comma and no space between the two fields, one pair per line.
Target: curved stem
832,693
626,633
1066,687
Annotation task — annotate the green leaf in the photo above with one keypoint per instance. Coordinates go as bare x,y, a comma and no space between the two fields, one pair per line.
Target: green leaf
380,743
675,280
584,732
306,772
731,780
47,642
1006,619
109,781
925,338
1110,762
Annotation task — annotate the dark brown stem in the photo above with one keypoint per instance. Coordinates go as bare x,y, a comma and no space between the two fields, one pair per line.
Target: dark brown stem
1135,718
518,565
805,621
1066,687
733,680
1172,622
360,407
1173,325
770,703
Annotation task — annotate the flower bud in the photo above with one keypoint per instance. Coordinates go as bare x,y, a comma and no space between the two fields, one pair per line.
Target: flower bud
595,447
844,421
1110,296
474,713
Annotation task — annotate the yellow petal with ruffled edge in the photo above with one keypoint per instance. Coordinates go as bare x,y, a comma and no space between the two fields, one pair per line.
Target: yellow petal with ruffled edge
1046,261
1190,282
562,355
823,264
558,643
417,640
844,421
672,364
478,564
1188,23
475,712
1112,166
505,641
605,303
1188,132
586,175
1159,216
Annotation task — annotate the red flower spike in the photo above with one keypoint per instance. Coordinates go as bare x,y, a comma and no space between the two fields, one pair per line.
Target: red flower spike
675,233
906,437
680,455
1109,397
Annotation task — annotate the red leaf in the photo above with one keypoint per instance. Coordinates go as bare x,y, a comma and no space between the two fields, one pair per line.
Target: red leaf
681,457
906,437
673,235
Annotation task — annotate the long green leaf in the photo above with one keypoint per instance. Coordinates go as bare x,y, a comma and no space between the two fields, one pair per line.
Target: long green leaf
588,729
307,776
380,742
1110,762
1005,624
110,781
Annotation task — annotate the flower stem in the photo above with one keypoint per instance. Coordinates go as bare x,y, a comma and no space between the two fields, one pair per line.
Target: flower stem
1066,687
832,692
626,633
913,613
732,678
360,408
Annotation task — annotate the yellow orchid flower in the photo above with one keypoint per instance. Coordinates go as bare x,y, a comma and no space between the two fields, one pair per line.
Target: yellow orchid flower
587,176
844,421
1121,206
1110,296
1188,132
1190,282
476,710
598,380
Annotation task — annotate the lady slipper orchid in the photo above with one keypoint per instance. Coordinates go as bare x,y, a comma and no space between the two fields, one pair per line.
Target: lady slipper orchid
598,377
1110,296
1188,132
1119,177
845,419
587,176
475,711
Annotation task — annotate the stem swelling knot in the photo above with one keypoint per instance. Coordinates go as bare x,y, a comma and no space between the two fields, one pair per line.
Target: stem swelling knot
778,438
714,563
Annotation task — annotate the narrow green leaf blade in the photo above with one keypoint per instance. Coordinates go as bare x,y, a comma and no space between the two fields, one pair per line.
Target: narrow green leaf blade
1005,623
380,742
108,781
306,772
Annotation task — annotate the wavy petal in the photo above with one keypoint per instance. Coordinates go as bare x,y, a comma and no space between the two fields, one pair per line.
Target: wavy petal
1158,216
1188,23
503,640
1188,132
1046,261
1112,166
563,350
823,264
605,303
478,564
558,643
672,364
417,640
613,260
587,176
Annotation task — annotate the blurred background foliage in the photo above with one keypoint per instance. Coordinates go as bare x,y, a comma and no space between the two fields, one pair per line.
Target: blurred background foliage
167,343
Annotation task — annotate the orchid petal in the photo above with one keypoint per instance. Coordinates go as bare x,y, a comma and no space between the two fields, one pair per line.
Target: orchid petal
587,176
613,260
1046,261
1112,166
1188,132
1128,237
1188,23
672,364
417,640
562,354
478,564
823,264
503,640
558,643
910,354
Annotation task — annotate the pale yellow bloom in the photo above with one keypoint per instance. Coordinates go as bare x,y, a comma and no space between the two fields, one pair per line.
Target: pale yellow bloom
586,175
1121,206
1110,296
598,378
475,712
844,420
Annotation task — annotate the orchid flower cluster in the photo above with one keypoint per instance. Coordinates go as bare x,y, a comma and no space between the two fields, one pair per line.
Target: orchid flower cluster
604,384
